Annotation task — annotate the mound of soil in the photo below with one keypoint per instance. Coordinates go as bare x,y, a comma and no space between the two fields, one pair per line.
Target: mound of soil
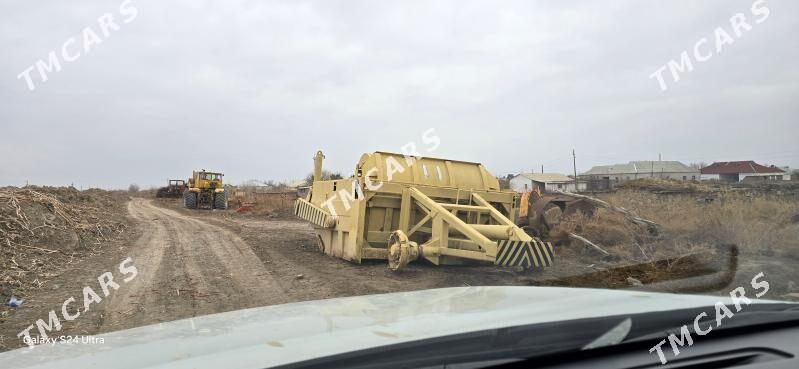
42,229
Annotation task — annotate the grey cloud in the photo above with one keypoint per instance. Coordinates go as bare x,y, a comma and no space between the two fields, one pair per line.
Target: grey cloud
254,88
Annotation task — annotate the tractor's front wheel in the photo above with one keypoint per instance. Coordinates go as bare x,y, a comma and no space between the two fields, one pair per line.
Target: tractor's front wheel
189,199
220,201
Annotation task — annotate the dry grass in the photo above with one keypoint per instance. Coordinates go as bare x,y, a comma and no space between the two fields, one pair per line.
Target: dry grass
613,232
266,204
666,185
765,229
756,224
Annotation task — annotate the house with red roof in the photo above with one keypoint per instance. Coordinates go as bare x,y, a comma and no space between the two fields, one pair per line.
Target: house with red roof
736,171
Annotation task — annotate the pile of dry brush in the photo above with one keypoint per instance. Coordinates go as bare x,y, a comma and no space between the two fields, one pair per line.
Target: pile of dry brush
43,229
757,224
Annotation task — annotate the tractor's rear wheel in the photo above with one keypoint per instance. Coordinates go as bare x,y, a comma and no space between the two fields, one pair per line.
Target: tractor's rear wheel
220,201
189,199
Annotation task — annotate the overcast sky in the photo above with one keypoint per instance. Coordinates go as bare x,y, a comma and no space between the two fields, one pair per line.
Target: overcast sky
254,88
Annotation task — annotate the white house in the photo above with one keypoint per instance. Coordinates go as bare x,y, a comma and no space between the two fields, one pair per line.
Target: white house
545,182
633,170
603,177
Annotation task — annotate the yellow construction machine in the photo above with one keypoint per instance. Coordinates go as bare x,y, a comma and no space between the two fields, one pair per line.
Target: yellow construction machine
205,191
402,208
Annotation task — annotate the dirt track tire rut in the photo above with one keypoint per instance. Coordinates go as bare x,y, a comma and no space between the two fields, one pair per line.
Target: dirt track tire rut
187,267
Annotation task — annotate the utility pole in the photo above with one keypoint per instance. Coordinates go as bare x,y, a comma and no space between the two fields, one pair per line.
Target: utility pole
574,162
542,168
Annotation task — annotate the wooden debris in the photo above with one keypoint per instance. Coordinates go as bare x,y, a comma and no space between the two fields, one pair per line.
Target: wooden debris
588,243
31,218
602,204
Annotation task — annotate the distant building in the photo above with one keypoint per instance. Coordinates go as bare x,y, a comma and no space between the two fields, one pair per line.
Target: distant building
544,182
736,171
603,177
297,183
301,187
302,192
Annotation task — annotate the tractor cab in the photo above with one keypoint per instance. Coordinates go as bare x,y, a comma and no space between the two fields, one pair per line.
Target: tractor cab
177,185
174,189
204,180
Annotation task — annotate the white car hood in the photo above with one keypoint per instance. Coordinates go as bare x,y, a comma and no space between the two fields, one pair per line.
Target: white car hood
282,334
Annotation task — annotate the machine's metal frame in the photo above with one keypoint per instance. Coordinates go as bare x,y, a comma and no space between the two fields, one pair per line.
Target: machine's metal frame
445,211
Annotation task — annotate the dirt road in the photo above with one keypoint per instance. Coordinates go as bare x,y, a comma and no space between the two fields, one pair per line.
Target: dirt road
194,263
187,267
218,262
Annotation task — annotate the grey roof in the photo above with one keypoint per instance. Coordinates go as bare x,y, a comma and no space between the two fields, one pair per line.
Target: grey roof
547,177
644,166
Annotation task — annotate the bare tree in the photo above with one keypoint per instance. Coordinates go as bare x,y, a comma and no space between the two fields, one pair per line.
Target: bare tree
325,176
698,165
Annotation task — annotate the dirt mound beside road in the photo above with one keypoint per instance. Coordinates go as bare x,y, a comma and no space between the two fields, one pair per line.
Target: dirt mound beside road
44,228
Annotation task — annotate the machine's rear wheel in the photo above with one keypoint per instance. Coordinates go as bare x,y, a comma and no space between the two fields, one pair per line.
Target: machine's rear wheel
189,199
220,201
401,250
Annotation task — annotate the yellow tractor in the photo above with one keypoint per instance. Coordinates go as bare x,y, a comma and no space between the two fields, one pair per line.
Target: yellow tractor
205,191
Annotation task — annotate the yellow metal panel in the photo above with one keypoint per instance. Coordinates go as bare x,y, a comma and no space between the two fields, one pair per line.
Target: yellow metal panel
436,203
426,171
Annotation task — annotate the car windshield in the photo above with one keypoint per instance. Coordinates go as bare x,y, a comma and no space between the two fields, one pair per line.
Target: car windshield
390,174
